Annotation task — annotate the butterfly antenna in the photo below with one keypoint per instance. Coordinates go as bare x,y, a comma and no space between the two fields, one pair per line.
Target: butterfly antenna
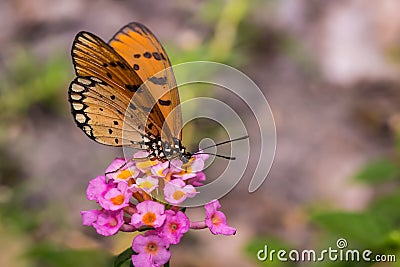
228,141
217,155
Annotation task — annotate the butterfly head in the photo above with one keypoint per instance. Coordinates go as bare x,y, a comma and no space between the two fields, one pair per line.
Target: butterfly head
185,156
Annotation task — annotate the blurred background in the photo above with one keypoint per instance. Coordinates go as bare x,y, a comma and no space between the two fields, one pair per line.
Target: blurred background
329,69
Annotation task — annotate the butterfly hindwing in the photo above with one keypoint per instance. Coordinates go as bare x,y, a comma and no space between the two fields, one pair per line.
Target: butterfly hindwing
101,95
145,54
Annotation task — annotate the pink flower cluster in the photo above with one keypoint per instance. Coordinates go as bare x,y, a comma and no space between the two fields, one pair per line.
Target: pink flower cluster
144,195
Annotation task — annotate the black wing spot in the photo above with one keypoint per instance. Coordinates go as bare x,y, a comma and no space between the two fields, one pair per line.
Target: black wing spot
132,106
159,81
120,112
116,140
105,65
121,65
164,102
136,55
133,88
109,75
147,55
150,126
115,122
110,131
156,56
162,56
113,64
101,109
112,97
135,66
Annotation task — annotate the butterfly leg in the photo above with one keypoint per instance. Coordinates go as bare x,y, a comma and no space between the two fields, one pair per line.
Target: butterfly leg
119,168
126,163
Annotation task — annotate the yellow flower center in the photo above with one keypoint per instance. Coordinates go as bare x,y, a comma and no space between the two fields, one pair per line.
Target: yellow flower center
146,185
125,174
187,167
173,227
113,222
149,218
178,194
186,170
152,248
216,220
118,200
146,164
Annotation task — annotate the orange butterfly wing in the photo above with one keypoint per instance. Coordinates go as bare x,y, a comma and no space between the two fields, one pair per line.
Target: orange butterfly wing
145,54
101,95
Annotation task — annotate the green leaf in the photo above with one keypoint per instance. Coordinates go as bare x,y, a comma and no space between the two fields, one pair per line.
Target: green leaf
379,171
366,228
124,258
49,254
387,207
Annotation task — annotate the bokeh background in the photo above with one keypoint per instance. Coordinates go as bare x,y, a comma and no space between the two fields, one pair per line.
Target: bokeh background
329,69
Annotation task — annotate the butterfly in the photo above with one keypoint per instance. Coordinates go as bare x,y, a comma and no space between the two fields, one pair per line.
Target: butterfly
132,65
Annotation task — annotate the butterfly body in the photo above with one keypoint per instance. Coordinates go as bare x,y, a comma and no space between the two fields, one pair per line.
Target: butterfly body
125,93
163,150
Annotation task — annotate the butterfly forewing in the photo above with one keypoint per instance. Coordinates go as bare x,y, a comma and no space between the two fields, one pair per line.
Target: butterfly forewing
101,95
145,54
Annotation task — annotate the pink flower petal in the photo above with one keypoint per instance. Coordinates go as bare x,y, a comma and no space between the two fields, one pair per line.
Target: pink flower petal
141,155
89,216
142,260
147,184
175,225
176,191
216,220
105,222
116,165
203,157
197,180
175,165
109,222
188,170
160,169
149,213
116,198
152,251
97,187
121,170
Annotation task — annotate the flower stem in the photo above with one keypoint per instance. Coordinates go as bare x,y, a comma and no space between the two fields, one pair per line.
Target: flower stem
198,225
